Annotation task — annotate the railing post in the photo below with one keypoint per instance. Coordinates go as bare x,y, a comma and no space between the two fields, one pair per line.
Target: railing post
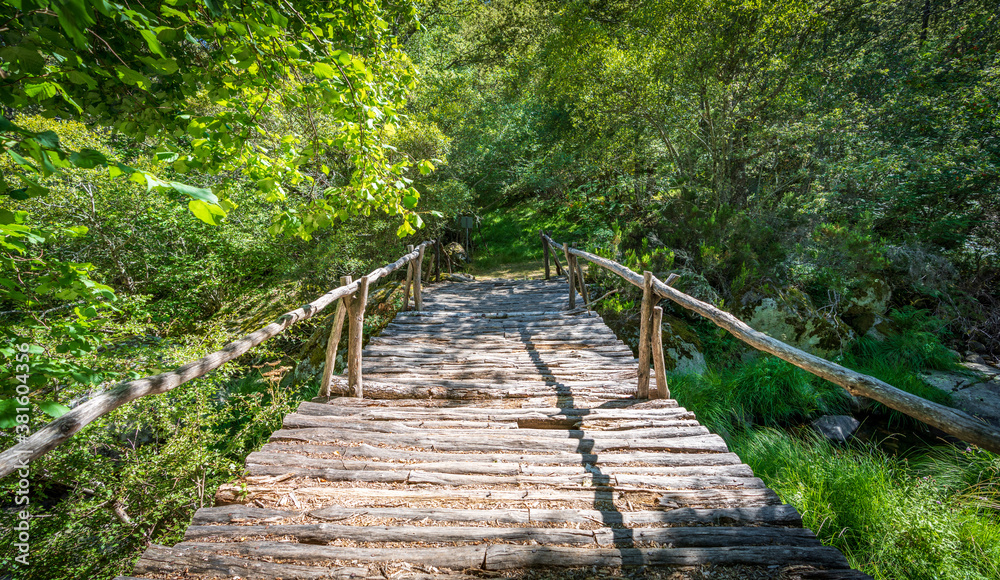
569,275
559,270
645,334
409,280
659,365
356,304
545,251
336,331
418,302
582,281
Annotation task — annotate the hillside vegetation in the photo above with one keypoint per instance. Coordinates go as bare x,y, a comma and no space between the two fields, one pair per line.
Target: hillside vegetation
178,173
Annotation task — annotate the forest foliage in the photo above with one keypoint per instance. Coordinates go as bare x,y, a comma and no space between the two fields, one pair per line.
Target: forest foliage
173,173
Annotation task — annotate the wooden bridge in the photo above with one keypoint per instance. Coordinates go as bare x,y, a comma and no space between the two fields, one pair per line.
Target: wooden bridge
504,433
500,434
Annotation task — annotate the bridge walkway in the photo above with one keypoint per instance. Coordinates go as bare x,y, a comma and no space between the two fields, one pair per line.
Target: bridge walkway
500,436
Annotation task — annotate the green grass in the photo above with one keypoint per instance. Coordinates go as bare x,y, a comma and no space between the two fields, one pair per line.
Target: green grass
893,520
510,235
765,391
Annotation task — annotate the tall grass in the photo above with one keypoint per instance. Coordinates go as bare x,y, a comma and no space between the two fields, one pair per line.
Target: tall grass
765,391
892,519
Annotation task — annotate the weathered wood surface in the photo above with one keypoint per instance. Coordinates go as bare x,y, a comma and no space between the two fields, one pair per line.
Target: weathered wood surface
509,436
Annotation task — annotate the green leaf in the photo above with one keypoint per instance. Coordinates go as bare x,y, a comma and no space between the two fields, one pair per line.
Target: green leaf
53,409
88,158
208,213
198,193
152,42
410,201
342,57
7,217
425,167
48,139
8,414
324,71
213,7
41,91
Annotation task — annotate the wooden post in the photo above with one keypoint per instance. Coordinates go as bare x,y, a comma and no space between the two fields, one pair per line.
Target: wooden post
581,280
409,280
569,274
437,260
336,331
659,365
645,334
418,302
559,270
356,303
545,251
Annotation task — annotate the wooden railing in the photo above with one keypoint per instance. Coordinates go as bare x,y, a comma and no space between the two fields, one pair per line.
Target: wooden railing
352,296
947,419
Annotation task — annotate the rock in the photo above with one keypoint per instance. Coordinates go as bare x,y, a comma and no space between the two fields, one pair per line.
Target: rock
949,382
681,347
836,427
859,404
881,328
789,316
976,346
458,277
456,252
975,358
981,400
694,284
868,301
985,370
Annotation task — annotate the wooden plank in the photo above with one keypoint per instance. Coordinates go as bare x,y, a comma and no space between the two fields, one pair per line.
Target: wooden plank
203,562
374,497
666,410
455,557
779,516
325,533
348,428
519,443
280,463
506,556
388,454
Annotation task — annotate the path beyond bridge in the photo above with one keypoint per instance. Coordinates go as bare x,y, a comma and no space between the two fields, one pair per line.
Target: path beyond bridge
500,436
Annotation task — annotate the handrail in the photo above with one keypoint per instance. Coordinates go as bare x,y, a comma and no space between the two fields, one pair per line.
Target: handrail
61,429
947,419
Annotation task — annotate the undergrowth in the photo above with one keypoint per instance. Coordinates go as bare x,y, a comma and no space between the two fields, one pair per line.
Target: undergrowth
936,517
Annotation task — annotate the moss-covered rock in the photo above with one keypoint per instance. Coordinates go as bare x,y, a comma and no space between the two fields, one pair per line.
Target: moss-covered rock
866,305
788,315
681,347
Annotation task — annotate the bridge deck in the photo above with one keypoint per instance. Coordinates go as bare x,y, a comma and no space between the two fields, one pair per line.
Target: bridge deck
503,436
